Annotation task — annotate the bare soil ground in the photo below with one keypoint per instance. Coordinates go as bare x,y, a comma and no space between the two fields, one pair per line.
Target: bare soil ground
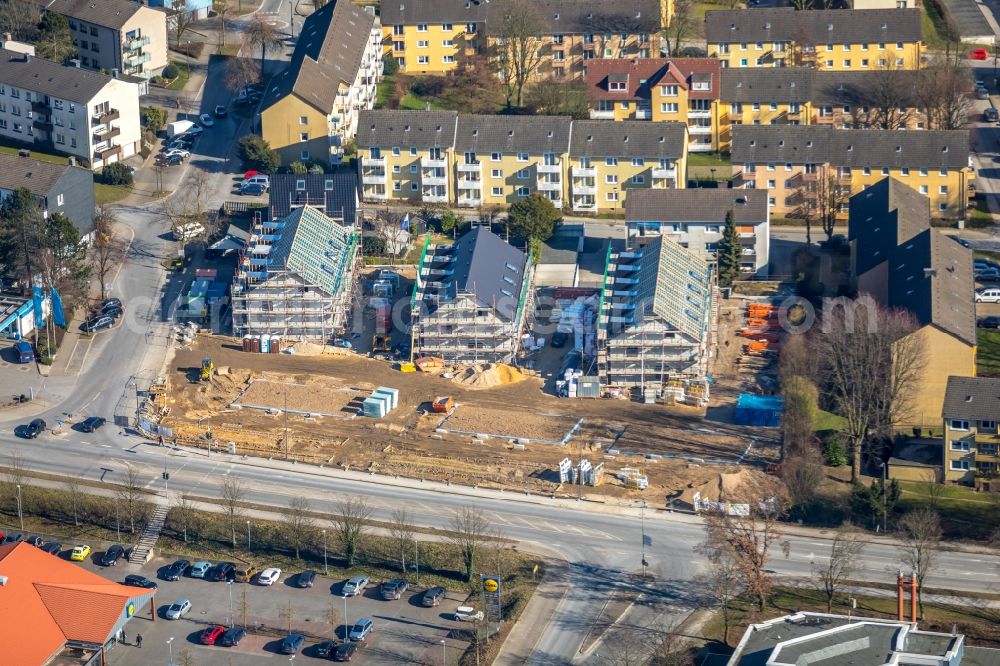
405,441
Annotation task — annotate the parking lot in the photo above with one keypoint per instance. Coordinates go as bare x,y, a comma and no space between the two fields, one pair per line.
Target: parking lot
405,631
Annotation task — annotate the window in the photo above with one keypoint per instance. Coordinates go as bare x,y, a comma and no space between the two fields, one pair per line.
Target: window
770,166
923,171
397,30
959,424
788,166
770,202
523,174
413,187
867,171
398,46
522,157
702,85
413,168
421,27
523,191
885,171
668,107
617,86
942,207
638,162
987,425
942,189
413,152
847,63
497,191
93,31
905,171
421,43
743,46
638,179
448,59
558,55
774,106
611,161
743,62
304,155
960,465
756,106
470,28
395,151
494,157
557,39
610,178
447,27
942,172
899,62
396,169
846,48
303,120
668,91
397,186
496,173
300,185
423,60
959,445
864,63
771,184
923,189
303,136
829,63
611,196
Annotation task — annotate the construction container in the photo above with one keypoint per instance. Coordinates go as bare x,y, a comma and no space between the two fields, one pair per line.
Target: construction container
255,344
393,394
265,344
759,410
275,344
376,407
407,367
442,404
588,387
247,344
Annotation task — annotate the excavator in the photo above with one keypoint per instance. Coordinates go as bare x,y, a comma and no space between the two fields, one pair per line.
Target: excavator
207,368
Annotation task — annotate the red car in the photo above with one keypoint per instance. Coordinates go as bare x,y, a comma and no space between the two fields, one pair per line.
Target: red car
979,54
210,635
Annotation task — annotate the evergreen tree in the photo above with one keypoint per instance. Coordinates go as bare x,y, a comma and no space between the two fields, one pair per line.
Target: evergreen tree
55,41
728,253
21,240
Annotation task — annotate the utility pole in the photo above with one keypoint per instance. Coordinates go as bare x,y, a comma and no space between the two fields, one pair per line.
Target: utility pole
643,524
20,516
326,570
885,502
286,423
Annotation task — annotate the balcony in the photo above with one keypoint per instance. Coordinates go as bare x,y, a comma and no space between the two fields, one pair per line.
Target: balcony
433,162
699,113
137,59
664,173
373,162
135,43
470,184
549,168
374,193
699,129
40,124
40,107
105,153
549,186
469,201
435,198
602,115
433,179
374,178
584,206
107,116
643,114
106,134
583,172
581,188
475,167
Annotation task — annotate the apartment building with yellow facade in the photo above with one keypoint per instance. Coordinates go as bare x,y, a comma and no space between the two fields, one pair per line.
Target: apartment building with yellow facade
493,161
310,110
798,164
830,39
433,36
682,90
971,412
608,158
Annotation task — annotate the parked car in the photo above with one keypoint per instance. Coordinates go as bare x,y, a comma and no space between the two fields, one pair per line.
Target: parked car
355,586
559,339
220,111
97,323
173,160
223,571
982,93
32,430
178,609
177,152
80,553
233,636
176,570
112,555
269,576
468,614
991,295
211,634
361,629
345,651
192,131
989,322
990,115
92,424
206,120
978,54
113,312
253,189
53,548
292,643
24,351
199,569
393,589
260,179
15,537
245,572
986,274
324,649
135,580
433,597
34,540
305,579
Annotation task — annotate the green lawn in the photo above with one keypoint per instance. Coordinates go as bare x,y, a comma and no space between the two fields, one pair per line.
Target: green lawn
829,421
384,90
413,103
9,148
965,514
988,353
183,74
709,160
933,27
105,194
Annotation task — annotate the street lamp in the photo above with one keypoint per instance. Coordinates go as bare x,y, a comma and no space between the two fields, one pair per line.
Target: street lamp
118,521
230,603
248,537
171,648
884,501
444,653
326,570
20,516
345,617
166,475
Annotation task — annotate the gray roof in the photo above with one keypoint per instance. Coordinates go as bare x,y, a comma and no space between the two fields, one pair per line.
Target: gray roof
328,55
482,262
334,193
557,16
763,85
112,14
883,216
38,176
819,144
816,26
313,246
931,276
695,205
511,134
861,88
628,138
50,78
406,129
972,398
767,84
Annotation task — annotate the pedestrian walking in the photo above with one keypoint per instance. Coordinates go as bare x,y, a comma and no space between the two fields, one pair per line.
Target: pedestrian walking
121,636
138,640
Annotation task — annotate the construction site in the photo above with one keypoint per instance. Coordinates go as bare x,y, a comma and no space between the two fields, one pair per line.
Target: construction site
486,424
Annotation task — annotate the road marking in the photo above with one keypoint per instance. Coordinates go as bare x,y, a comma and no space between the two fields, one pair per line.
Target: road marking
105,446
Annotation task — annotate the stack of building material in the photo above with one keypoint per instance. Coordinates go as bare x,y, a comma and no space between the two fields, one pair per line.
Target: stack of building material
382,401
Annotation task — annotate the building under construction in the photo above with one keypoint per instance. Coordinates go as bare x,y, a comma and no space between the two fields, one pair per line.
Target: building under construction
655,311
470,298
296,277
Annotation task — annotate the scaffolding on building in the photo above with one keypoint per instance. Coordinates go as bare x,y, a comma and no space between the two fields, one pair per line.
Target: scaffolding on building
297,289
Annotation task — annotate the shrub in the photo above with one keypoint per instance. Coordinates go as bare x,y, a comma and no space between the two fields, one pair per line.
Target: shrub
117,174
390,66
170,72
834,449
257,154
428,86
153,118
297,168
373,246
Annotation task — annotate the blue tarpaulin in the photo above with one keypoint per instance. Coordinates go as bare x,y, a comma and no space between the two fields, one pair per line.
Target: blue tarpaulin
759,410
58,316
36,298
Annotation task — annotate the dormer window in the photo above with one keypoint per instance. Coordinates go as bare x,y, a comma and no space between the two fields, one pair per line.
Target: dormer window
617,86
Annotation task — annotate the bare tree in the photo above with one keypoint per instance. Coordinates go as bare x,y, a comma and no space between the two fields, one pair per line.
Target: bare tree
887,98
107,249
681,25
221,8
350,521
181,19
241,72
872,360
263,35
401,531
845,551
185,658
470,531
16,475
130,495
232,491
517,51
287,613
333,617
298,524
19,18
74,497
747,537
183,516
724,584
946,94
921,534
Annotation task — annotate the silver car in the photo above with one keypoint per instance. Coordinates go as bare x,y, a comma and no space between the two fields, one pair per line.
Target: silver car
178,609
355,586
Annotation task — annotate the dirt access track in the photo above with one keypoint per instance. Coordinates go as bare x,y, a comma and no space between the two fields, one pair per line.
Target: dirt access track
673,446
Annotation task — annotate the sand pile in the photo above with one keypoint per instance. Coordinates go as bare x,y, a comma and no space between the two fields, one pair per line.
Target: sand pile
732,487
487,375
313,349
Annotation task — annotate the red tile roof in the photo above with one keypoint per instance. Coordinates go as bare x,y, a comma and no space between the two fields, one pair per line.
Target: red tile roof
47,601
643,73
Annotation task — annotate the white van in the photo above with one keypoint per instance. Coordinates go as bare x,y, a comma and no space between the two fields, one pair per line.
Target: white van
259,179
188,231
991,295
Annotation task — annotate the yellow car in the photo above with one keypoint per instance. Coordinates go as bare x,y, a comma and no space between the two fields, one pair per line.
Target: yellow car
80,553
